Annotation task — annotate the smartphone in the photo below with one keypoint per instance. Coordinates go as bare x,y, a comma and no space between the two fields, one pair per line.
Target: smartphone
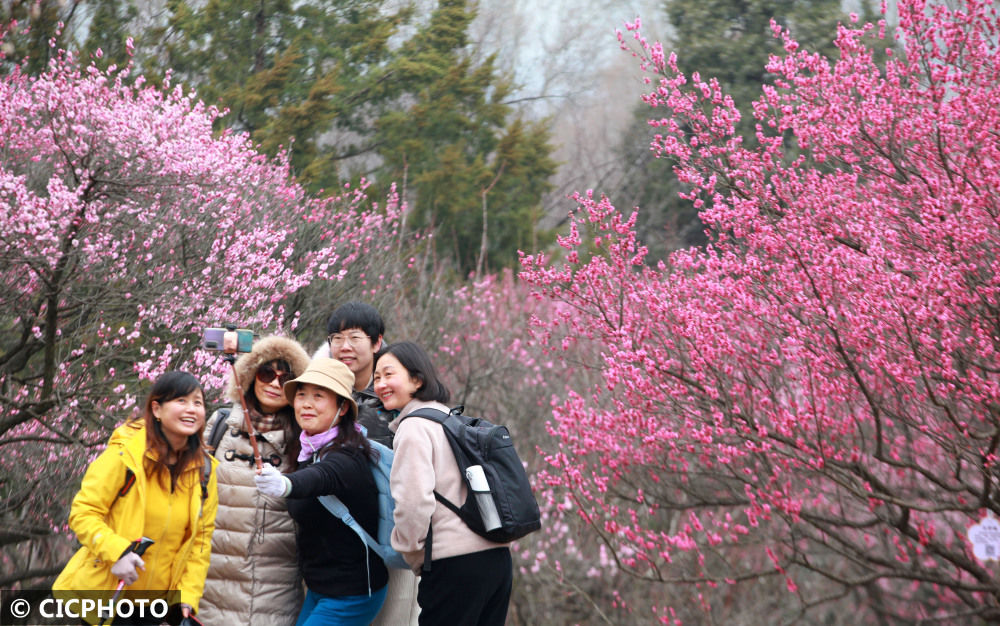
228,340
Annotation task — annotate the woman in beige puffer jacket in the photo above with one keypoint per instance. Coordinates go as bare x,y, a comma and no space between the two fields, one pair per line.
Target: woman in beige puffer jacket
253,577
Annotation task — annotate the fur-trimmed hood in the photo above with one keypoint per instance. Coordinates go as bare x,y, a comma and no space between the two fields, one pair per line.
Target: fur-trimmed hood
267,349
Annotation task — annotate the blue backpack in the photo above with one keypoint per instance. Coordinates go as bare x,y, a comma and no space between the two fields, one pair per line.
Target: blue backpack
386,505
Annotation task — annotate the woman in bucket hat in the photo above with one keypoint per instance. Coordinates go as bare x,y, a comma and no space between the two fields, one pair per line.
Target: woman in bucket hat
253,578
345,582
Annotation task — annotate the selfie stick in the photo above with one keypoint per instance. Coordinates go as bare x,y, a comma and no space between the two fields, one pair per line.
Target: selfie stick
139,547
246,414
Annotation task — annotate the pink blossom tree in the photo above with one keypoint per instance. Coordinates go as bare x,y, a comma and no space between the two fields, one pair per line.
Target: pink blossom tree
480,338
814,397
126,227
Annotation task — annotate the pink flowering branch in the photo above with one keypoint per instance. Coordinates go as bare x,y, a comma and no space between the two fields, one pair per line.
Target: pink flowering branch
127,226
818,385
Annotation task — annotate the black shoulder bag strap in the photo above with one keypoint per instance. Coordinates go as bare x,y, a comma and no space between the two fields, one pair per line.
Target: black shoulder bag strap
439,416
126,486
218,429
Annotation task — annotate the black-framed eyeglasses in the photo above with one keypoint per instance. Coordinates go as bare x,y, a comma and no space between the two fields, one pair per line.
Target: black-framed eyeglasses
355,338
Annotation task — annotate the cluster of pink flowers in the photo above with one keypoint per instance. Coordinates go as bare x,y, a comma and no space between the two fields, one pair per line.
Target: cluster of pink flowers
822,379
127,226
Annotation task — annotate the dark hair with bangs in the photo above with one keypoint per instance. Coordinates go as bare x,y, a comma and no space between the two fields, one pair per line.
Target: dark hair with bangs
167,387
418,365
356,314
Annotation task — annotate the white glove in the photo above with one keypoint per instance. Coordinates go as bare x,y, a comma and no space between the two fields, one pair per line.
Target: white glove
271,482
124,568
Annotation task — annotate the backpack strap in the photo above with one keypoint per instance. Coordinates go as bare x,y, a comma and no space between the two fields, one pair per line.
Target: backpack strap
439,416
218,429
428,557
334,505
338,509
390,557
126,486
206,475
435,415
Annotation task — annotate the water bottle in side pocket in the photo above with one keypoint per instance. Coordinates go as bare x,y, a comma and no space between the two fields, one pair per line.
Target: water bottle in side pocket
484,499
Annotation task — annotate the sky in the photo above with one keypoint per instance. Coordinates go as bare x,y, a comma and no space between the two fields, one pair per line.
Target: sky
566,57
560,48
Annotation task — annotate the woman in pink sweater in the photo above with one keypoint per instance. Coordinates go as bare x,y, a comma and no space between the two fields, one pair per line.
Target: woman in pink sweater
464,578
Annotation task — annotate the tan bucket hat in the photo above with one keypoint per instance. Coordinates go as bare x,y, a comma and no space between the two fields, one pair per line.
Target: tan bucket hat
329,374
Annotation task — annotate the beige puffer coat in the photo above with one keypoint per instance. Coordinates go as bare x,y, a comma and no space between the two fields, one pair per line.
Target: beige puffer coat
253,576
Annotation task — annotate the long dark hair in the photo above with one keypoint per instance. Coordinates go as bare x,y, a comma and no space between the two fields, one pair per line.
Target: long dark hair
418,365
170,386
283,417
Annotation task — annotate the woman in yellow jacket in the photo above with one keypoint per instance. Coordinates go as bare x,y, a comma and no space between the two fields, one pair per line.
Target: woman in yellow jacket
172,501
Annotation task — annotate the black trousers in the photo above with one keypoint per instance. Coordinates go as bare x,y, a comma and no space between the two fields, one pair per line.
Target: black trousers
467,590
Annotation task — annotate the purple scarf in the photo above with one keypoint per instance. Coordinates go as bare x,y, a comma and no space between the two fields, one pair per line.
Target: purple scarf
312,444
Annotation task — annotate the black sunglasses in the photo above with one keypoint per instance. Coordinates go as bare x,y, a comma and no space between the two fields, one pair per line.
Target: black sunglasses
267,374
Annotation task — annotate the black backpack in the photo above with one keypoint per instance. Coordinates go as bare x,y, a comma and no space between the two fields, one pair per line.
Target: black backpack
476,441
218,430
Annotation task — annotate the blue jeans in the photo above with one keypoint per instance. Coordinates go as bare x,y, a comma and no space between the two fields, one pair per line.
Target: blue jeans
320,610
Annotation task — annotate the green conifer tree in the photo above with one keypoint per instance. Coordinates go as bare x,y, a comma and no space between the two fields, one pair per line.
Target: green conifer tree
37,24
111,23
729,40
474,170
305,76
353,89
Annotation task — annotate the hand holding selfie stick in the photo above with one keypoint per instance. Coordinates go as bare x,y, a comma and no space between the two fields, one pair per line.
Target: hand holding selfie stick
246,414
187,617
137,547
231,340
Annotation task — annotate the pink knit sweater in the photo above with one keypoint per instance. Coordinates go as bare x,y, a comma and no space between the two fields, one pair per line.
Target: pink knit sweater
423,463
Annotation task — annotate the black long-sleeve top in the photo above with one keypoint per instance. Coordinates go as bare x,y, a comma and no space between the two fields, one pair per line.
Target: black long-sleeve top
331,555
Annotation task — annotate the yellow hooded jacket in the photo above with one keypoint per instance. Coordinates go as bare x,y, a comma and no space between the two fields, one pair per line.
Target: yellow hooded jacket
105,527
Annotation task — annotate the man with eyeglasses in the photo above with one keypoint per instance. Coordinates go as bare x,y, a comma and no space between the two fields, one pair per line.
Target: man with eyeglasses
354,335
355,332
